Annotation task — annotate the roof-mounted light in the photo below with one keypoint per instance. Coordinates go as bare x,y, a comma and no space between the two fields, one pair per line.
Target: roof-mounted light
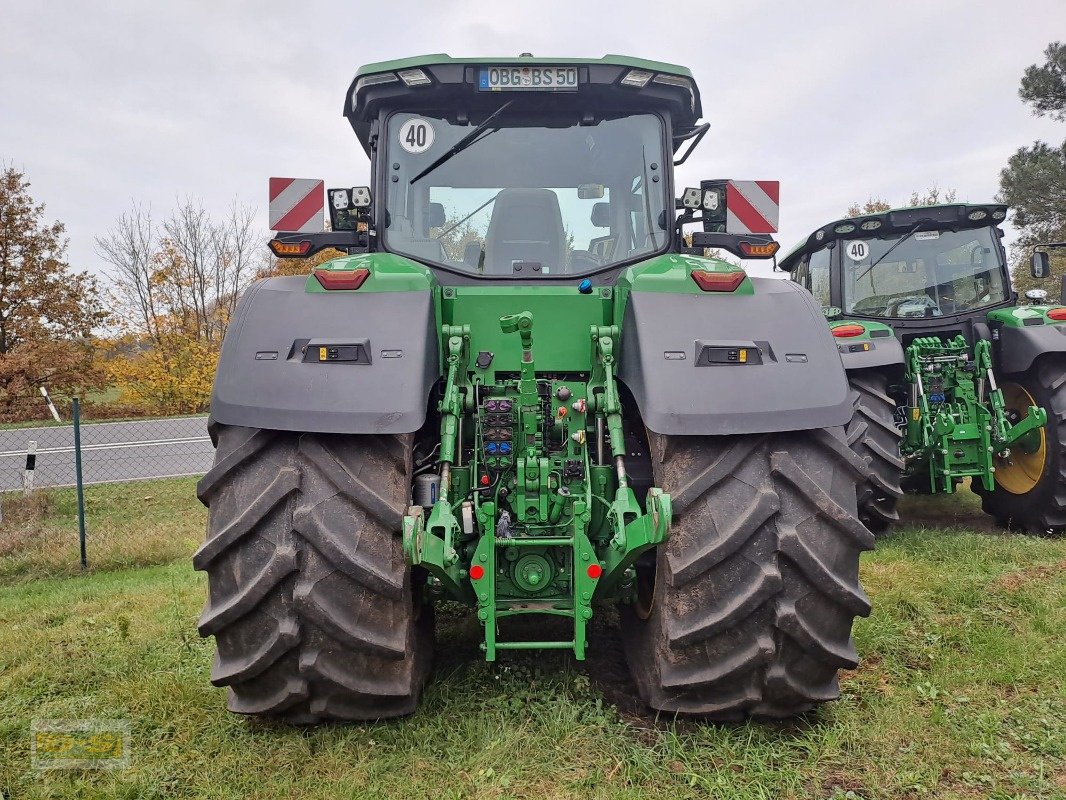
673,80
843,228
871,225
998,214
375,80
414,77
978,215
636,78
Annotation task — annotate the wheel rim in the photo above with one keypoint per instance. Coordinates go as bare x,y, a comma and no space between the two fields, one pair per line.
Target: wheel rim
1021,471
644,602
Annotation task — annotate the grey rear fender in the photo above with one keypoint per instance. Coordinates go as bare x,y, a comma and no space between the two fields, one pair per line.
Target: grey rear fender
676,361
381,360
1016,348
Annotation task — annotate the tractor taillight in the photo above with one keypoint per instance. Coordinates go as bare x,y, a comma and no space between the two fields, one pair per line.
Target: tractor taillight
718,281
477,572
290,249
759,250
342,278
594,571
846,331
1057,314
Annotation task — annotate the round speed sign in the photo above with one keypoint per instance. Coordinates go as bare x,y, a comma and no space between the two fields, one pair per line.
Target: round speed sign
857,251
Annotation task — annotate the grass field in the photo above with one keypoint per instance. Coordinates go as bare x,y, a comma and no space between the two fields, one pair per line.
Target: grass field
961,692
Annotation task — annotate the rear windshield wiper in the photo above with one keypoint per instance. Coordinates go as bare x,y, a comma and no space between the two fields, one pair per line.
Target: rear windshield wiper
899,241
463,143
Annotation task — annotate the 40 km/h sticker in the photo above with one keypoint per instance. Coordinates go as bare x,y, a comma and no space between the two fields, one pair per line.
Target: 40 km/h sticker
416,135
857,251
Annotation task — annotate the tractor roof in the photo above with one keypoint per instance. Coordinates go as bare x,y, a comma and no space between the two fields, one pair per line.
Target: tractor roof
440,82
945,216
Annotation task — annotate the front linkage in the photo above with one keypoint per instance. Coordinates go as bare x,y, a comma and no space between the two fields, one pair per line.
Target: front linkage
956,419
537,530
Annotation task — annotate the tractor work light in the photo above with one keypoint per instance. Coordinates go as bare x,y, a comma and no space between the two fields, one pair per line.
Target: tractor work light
718,281
673,80
636,78
847,331
290,249
342,278
846,227
978,215
871,225
692,198
414,77
375,80
999,214
1036,295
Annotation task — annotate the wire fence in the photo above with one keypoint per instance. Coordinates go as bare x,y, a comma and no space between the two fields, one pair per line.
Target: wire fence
40,462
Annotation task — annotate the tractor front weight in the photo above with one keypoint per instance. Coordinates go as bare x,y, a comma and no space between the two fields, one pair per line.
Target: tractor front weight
533,522
956,419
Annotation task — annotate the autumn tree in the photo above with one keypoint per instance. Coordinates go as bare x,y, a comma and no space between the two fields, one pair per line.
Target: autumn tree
1033,183
932,196
48,312
174,288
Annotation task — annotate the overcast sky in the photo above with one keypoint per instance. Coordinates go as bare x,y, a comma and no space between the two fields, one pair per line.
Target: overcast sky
104,104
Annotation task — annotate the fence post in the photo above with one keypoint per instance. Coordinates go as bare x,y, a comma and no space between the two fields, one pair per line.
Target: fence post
76,413
31,465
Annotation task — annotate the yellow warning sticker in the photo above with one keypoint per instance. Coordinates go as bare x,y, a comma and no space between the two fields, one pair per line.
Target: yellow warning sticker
743,356
322,355
916,414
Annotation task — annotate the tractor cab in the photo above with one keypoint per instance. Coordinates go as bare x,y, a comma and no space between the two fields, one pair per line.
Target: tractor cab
526,168
935,269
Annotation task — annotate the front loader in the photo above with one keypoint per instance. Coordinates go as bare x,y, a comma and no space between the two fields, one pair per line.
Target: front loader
951,378
522,390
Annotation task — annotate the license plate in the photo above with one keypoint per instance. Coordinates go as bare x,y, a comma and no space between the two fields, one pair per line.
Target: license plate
535,79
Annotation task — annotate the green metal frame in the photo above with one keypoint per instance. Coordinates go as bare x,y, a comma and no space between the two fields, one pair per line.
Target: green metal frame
579,526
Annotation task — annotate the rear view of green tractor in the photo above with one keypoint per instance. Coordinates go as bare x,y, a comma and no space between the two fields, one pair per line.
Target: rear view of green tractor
951,379
521,391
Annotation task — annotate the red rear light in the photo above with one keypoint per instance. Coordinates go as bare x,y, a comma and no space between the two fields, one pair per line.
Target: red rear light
594,571
341,278
477,572
1057,314
844,331
718,281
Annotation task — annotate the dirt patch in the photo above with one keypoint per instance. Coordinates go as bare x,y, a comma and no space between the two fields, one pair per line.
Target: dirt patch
1039,573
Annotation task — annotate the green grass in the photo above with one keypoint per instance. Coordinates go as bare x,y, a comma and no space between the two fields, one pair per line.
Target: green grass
127,525
961,694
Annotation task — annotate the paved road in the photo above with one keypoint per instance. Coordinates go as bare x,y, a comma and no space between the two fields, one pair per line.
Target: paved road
111,451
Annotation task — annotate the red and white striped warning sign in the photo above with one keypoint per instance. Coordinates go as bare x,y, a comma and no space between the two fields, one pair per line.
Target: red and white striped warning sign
296,205
752,206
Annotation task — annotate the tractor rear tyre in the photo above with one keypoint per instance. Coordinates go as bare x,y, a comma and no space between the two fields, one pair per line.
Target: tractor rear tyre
873,435
749,607
310,602
1030,487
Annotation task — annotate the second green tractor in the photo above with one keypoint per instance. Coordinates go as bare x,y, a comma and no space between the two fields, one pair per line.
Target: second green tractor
952,379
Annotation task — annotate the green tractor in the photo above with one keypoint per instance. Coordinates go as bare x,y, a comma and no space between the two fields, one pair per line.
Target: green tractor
951,378
522,390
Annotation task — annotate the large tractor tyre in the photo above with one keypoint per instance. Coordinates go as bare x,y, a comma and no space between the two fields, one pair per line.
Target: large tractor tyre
1030,487
310,602
749,608
872,434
